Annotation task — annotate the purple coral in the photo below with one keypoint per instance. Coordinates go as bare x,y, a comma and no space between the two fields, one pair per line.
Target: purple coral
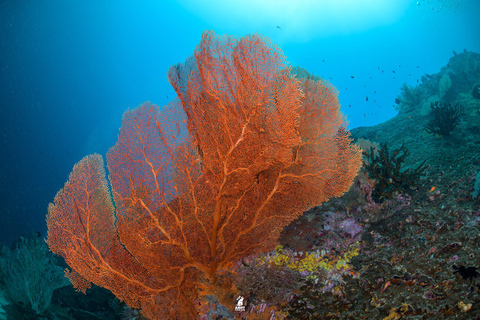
350,226
341,230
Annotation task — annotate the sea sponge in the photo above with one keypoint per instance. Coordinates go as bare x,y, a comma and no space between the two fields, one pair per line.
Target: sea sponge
476,91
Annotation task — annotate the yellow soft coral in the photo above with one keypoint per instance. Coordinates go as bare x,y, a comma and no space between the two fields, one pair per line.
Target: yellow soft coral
312,261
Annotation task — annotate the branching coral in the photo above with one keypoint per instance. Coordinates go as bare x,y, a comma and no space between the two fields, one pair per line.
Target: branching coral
385,169
444,118
211,178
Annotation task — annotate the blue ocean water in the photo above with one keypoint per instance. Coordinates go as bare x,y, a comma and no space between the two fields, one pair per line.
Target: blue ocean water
69,69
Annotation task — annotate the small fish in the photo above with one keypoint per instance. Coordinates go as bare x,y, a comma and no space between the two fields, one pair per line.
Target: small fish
279,27
352,77
346,88
400,65
366,98
393,71
382,71
364,115
386,285
409,74
418,66
323,60
417,80
432,189
375,91
349,105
